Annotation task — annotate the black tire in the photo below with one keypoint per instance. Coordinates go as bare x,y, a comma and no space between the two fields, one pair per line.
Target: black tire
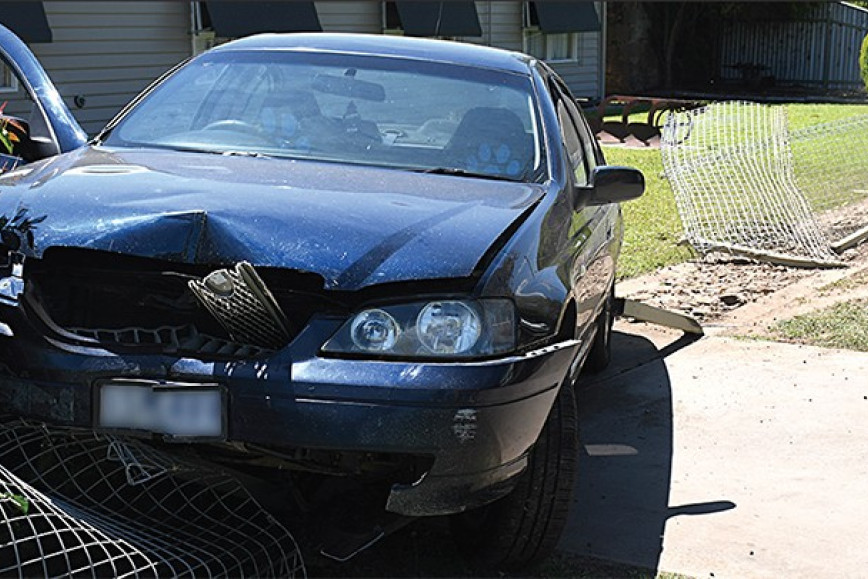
524,527
600,353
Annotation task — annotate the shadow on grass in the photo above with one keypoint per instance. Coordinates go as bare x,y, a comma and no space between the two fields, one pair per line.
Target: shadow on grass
621,499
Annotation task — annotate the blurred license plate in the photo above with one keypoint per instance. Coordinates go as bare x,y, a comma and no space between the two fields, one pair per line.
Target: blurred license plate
174,409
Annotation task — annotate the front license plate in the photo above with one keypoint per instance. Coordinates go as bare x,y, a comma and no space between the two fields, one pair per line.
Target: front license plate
174,409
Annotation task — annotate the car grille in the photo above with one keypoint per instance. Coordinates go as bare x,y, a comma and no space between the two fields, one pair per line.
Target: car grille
241,302
147,305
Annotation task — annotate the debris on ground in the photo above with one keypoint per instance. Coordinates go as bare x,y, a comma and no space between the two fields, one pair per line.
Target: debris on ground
711,288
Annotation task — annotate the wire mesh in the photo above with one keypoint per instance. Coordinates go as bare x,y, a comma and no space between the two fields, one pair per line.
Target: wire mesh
74,503
731,168
831,166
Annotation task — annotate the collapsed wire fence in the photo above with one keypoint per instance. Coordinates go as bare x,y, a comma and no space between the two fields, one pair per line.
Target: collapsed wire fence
78,503
744,184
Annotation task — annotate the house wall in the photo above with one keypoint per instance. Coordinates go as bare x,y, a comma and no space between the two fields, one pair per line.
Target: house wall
350,16
501,24
106,57
821,50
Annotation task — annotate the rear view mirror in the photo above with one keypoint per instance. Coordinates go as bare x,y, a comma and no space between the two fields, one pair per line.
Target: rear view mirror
612,184
348,86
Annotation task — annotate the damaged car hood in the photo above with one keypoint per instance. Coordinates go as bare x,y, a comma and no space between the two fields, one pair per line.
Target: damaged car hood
355,226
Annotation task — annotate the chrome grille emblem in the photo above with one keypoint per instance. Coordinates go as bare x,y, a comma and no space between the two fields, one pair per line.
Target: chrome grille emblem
241,302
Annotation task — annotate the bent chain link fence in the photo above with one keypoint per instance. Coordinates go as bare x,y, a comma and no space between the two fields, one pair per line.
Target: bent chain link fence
745,185
831,164
77,503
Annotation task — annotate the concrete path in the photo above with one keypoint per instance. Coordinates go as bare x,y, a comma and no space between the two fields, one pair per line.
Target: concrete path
725,458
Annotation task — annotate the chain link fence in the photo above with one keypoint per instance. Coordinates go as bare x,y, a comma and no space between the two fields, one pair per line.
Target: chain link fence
74,503
744,184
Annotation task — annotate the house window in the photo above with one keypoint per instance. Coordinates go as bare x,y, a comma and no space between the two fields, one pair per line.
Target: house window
562,47
548,46
8,81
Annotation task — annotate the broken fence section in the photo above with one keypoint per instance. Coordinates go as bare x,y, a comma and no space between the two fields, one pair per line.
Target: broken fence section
745,184
77,503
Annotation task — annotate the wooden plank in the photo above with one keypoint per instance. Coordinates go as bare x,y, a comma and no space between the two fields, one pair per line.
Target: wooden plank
343,16
108,61
156,20
101,47
117,8
644,312
119,33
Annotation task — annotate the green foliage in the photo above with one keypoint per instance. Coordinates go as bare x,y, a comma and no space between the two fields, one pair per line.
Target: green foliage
21,503
863,61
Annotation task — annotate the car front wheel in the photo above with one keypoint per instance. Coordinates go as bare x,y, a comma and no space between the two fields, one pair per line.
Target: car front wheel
524,527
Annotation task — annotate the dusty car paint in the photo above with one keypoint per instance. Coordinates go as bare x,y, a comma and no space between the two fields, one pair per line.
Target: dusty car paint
327,239
363,227
66,131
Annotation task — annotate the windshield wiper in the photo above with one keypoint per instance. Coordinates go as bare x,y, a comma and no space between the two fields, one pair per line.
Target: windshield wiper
242,154
224,152
463,173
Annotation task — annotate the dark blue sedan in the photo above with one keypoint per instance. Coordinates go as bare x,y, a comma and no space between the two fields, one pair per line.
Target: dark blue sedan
362,262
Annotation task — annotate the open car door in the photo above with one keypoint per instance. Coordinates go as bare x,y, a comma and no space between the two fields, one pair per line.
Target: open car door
34,121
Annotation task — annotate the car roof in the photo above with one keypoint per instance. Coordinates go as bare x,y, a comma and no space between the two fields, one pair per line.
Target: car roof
388,45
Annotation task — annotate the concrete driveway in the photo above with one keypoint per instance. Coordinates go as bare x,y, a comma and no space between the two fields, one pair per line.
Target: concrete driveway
725,458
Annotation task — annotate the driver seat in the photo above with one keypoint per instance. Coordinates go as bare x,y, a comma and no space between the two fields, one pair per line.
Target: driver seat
490,140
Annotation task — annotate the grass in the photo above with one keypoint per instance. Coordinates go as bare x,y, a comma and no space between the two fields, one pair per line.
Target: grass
844,325
800,115
652,226
850,282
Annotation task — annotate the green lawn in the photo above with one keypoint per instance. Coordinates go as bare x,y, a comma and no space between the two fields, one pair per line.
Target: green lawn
844,325
652,226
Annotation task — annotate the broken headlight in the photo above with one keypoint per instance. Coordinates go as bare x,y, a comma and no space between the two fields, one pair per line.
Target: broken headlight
438,328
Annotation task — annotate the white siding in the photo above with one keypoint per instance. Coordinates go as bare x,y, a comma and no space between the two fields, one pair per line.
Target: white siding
501,24
108,52
502,27
350,16
583,77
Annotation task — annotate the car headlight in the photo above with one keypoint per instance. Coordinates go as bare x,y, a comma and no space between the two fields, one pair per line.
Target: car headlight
438,328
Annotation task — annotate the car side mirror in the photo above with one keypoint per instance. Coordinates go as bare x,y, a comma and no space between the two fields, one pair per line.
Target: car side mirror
611,184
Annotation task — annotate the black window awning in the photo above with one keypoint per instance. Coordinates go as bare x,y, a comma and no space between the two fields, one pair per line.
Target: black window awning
236,19
558,17
27,20
448,18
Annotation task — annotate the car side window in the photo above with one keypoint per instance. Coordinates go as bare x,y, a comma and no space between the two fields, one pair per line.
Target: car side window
588,140
572,141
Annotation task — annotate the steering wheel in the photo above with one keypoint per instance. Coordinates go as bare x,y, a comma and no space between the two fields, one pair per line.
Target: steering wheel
235,125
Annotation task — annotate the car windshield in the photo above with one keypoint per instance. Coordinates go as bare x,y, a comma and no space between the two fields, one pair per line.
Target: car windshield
388,112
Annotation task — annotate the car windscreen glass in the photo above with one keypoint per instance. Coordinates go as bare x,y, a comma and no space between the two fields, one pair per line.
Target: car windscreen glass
366,110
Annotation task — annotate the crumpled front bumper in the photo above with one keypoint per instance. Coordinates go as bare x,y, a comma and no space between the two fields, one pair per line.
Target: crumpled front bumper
476,419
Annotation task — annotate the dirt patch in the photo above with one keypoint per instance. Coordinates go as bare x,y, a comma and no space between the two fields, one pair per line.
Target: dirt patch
737,296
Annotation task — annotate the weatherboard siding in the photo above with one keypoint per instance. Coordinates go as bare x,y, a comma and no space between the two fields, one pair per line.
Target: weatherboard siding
107,53
350,16
501,24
